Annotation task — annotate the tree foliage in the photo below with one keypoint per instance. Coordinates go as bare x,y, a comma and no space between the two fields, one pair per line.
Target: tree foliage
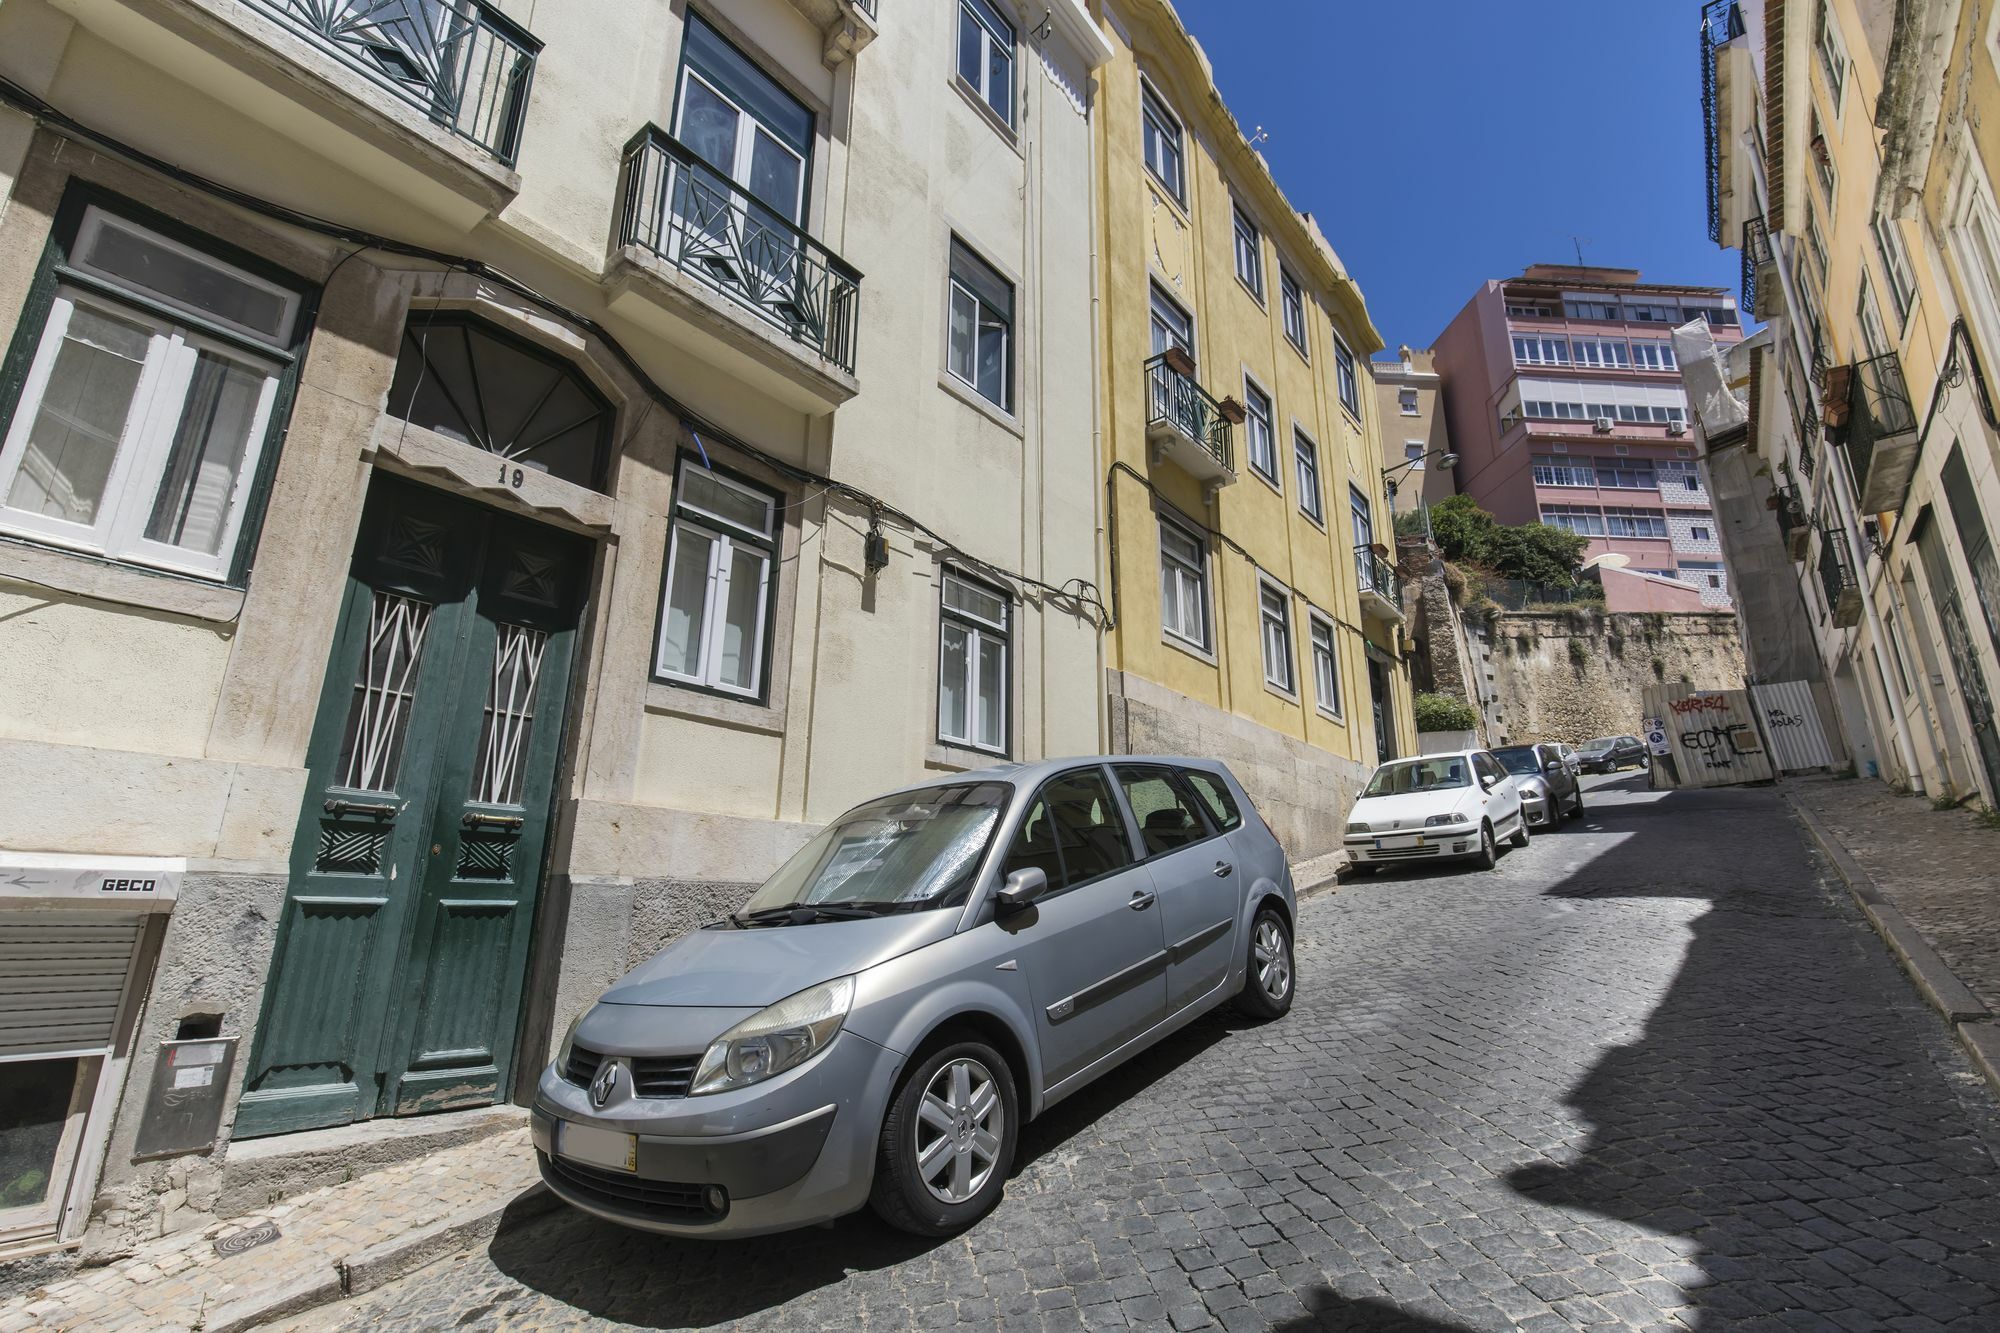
1537,552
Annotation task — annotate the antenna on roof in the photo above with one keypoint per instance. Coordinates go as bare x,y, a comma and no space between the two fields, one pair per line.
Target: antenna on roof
1258,137
1577,241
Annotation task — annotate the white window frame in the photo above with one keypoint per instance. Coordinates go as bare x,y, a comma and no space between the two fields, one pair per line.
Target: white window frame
1346,377
131,487
1268,470
1326,682
1407,402
1974,243
1276,622
1874,334
1652,354
1832,50
989,40
1184,578
726,537
748,128
978,630
1159,125
1292,310
1306,472
958,292
1249,244
1896,268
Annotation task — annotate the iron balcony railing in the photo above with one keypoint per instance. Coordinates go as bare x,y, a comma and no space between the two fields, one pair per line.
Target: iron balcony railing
462,63
1378,575
1878,409
1789,508
1756,254
1174,398
681,209
1721,23
1836,575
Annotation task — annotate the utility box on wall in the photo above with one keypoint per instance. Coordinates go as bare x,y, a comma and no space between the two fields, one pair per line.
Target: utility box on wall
184,1108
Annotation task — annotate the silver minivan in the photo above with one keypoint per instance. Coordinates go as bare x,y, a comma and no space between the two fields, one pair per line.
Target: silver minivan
934,968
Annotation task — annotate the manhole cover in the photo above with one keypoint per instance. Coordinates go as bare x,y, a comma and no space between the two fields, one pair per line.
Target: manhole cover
247,1239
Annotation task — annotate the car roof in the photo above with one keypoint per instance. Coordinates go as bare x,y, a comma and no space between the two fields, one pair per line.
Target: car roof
1027,774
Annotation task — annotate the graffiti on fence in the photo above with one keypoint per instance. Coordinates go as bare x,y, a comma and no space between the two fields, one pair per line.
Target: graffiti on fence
1711,736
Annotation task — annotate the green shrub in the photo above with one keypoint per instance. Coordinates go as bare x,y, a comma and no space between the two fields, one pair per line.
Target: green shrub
1443,712
1579,652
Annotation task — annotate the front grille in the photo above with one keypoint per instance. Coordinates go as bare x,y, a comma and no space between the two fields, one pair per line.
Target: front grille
652,1075
668,1200
1401,852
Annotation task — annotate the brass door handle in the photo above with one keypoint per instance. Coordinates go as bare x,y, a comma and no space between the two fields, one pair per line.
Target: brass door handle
476,819
382,809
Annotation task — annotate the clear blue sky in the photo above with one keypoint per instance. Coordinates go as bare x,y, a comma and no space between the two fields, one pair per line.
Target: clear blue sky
1443,142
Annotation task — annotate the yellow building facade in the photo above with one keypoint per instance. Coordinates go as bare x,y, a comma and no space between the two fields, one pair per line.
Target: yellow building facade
1249,539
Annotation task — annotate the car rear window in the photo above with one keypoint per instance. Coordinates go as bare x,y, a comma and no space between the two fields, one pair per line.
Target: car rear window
1214,794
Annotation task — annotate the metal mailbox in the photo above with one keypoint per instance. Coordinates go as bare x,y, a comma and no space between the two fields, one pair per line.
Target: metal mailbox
184,1109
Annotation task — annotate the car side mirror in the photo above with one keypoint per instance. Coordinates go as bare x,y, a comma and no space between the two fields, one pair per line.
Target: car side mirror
1020,889
1552,766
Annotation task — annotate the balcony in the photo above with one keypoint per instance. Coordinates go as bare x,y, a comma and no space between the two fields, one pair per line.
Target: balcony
1836,579
1763,294
1879,430
1794,528
1728,91
1381,587
1185,423
712,269
845,26
426,100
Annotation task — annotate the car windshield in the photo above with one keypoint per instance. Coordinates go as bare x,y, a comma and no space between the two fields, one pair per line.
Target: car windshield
898,854
1412,775
1520,759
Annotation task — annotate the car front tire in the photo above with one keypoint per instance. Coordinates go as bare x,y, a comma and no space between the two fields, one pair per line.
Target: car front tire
1519,837
947,1142
1271,977
1489,850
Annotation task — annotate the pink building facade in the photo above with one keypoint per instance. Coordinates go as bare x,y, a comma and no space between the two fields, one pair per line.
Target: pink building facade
1564,402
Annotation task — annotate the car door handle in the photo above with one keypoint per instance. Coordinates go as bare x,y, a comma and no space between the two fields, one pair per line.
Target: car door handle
1223,870
1142,900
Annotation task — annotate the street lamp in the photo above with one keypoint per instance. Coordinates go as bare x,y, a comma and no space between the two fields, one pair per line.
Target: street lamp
1445,458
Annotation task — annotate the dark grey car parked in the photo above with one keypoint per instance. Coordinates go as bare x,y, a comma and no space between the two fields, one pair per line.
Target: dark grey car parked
1607,754
936,967
1549,786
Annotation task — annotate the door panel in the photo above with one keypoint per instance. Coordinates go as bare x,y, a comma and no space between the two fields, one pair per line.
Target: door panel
1194,872
396,984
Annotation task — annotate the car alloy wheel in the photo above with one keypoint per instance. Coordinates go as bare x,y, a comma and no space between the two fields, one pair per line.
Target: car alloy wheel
1273,957
958,1131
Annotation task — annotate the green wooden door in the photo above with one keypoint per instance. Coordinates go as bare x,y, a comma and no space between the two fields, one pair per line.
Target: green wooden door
396,984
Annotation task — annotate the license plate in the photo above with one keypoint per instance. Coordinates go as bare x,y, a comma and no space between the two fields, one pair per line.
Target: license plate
1396,844
598,1147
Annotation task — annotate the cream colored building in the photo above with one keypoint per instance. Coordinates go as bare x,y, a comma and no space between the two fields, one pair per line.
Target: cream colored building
480,483
1414,438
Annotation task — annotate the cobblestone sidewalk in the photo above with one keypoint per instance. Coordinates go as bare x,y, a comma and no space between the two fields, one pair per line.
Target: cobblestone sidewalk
179,1282
1939,868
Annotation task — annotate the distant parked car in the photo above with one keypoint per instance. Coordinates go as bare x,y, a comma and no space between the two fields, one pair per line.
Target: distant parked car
1548,783
1607,754
933,969
1438,807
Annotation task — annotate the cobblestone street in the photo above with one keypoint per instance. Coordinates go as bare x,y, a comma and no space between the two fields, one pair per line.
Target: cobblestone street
1654,1071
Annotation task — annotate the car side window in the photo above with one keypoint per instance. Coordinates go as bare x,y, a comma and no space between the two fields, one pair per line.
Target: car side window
1214,794
1167,816
1072,832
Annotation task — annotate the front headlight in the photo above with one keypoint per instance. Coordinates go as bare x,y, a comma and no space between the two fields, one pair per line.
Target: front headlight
1534,791
1359,828
569,1040
1441,821
772,1040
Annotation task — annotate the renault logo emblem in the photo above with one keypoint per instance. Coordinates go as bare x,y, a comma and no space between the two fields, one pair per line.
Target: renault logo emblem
604,1084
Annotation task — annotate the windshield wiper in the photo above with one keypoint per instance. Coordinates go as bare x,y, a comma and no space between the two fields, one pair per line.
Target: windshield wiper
795,914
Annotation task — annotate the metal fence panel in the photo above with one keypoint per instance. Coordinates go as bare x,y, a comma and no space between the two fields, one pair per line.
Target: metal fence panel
1791,719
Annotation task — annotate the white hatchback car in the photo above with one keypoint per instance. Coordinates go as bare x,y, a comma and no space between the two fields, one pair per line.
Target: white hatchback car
1436,808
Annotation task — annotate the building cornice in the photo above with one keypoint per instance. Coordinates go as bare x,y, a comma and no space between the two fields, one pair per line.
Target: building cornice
1072,20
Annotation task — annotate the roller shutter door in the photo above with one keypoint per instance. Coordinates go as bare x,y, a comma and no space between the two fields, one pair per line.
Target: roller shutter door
61,977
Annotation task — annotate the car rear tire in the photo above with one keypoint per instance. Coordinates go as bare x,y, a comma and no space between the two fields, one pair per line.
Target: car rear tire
1489,850
947,1142
1271,976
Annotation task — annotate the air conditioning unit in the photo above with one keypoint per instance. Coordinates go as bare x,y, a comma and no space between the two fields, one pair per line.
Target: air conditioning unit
1604,425
1677,428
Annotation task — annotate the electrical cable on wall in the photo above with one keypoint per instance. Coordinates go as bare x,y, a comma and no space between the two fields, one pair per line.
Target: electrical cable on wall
1078,596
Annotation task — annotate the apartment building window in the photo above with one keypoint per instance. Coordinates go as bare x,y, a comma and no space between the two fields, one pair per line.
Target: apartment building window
1249,253
1326,666
1832,54
1292,305
1550,470
1822,155
1701,572
1538,351
1873,336
1345,379
1816,245
1627,473
1651,312
742,122
1161,139
1718,316
1553,411
1580,519
1406,402
972,664
721,567
981,351
1274,613
1895,266
1414,454
1529,312
137,433
1698,532
1257,428
1305,459
1648,354
1600,353
1606,310
986,56
1680,475
1171,325
1974,240
1635,522
1183,584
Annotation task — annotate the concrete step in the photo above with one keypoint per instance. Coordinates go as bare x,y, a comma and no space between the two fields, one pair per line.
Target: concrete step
260,1172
